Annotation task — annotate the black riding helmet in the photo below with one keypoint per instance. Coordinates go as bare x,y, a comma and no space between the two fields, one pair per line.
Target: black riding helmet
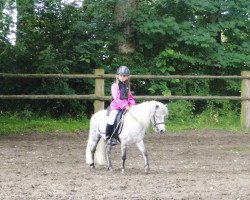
123,70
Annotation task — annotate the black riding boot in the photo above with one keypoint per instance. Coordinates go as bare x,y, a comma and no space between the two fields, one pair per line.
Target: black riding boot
109,131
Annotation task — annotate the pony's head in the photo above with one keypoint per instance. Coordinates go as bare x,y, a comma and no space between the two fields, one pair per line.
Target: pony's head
160,113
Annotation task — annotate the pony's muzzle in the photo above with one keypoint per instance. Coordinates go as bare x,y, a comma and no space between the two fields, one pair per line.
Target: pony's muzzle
160,130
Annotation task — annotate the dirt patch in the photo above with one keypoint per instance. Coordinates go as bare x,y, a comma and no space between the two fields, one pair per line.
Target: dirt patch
190,165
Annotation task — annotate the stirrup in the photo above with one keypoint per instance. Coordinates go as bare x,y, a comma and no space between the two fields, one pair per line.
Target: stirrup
112,141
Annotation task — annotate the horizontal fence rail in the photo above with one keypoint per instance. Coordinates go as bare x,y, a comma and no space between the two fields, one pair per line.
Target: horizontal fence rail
107,98
99,96
107,76
111,76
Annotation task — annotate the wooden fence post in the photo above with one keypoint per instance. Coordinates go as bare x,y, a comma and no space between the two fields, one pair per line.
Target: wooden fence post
99,90
245,104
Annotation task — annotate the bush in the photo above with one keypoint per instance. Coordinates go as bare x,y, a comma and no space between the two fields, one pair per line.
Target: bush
181,111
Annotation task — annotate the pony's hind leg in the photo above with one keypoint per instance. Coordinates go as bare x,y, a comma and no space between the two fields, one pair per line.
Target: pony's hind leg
124,155
93,150
142,148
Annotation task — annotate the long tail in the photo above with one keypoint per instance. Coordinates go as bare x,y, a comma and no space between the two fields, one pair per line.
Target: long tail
100,154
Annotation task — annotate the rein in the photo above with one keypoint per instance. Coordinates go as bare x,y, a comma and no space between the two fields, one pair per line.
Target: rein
135,118
117,126
154,124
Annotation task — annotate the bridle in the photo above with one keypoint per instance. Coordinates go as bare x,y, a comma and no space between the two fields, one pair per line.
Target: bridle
154,118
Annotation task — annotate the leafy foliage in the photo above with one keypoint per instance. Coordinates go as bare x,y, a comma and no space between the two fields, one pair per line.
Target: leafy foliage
171,37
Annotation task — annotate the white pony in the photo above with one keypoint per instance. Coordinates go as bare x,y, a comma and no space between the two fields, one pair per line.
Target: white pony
136,121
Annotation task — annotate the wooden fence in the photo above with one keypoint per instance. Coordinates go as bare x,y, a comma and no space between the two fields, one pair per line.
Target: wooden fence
99,96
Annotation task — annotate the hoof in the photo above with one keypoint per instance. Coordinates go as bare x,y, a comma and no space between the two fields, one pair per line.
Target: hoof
146,169
123,171
110,169
92,166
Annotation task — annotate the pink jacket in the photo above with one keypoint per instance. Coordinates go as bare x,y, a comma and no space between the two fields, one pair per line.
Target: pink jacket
117,103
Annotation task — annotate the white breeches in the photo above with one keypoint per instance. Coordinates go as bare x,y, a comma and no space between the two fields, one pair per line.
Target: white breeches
111,117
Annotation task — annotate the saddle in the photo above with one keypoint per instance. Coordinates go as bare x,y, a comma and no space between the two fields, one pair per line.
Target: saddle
118,123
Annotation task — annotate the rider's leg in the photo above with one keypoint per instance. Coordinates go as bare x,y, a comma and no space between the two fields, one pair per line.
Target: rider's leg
110,126
109,131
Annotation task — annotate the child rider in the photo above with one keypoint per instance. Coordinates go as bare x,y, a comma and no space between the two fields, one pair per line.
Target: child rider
122,99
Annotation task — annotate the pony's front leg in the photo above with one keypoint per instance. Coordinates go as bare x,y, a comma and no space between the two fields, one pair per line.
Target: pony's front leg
124,155
108,154
142,148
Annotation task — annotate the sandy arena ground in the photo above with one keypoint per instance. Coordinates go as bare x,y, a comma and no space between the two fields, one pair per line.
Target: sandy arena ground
190,165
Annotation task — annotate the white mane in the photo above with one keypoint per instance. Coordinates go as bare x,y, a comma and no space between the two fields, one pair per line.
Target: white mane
144,111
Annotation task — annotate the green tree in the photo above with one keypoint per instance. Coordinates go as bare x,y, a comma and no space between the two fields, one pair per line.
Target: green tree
163,37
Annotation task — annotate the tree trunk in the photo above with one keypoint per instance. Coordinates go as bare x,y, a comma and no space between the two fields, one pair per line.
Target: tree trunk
124,10
218,37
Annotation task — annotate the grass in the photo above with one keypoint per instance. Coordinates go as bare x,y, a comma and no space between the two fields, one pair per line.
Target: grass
12,124
197,125
213,121
15,125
